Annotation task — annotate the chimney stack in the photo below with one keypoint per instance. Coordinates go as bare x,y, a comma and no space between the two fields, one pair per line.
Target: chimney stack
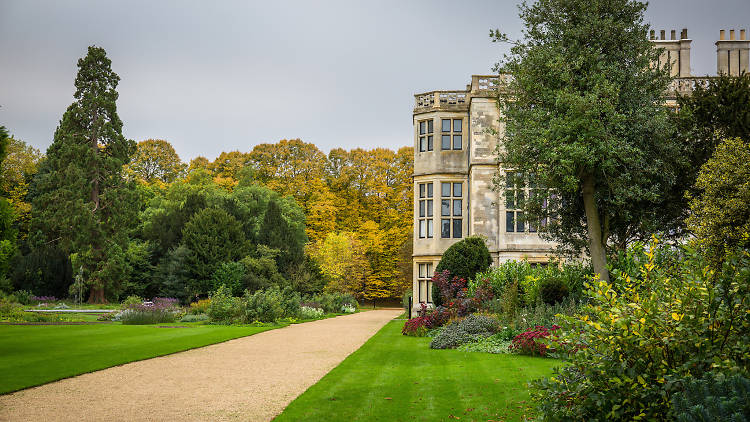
732,54
676,52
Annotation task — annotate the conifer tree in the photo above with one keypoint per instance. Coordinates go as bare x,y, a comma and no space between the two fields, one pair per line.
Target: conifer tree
276,233
82,202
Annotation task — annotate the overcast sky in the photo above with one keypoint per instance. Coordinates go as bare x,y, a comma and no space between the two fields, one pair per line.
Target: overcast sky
227,75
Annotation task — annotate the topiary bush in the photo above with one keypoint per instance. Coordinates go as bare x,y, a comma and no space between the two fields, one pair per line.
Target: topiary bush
715,397
553,290
466,258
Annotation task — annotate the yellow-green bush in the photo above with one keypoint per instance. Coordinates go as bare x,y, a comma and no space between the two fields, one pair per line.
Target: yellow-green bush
628,354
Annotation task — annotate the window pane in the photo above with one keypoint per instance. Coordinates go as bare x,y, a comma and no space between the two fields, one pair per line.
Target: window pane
446,125
421,228
429,190
429,126
445,207
429,143
445,143
429,292
422,290
520,198
532,228
429,270
429,207
457,125
510,221
457,228
421,128
421,190
429,228
519,222
422,146
421,208
445,189
445,228
457,189
422,270
457,207
509,199
456,141
509,182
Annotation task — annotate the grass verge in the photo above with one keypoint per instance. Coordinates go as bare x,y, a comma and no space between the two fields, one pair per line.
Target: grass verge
34,355
397,378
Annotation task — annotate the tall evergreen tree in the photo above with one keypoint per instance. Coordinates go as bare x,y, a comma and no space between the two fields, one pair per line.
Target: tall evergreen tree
584,116
82,200
275,232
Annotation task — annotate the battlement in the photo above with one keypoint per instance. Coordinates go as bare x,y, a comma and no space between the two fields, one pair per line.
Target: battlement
480,86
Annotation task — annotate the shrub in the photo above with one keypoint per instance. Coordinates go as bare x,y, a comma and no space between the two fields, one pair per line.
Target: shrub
307,312
466,258
454,294
715,397
264,305
543,314
405,299
132,300
200,307
638,342
437,317
465,330
553,290
348,308
23,297
194,318
332,302
230,274
223,307
416,327
290,303
160,309
531,342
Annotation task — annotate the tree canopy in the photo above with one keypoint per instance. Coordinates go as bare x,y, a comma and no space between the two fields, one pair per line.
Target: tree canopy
585,118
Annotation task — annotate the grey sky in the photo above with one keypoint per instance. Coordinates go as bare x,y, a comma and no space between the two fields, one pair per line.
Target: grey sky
220,76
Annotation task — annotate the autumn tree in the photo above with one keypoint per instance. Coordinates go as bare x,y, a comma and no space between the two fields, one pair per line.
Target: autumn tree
16,172
156,160
343,262
585,118
82,200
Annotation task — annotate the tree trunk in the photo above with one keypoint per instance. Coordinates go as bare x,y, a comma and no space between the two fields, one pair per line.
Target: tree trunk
594,228
96,294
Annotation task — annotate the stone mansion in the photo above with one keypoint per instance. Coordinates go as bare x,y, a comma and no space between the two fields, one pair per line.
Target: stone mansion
456,134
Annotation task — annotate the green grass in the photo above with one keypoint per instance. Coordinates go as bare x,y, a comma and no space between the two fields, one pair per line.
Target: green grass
37,354
397,378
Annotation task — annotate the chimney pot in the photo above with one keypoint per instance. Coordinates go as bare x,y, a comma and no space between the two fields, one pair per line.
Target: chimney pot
684,34
722,35
673,34
663,34
742,34
731,34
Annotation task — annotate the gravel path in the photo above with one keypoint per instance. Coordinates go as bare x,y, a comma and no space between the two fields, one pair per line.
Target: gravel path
249,379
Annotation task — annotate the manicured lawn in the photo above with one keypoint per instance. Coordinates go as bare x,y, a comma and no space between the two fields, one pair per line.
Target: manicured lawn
34,355
398,378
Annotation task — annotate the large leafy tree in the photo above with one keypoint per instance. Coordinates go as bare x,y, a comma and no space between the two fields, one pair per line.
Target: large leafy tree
82,201
16,172
584,116
156,160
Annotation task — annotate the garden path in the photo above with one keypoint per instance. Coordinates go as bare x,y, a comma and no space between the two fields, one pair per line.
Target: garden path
251,378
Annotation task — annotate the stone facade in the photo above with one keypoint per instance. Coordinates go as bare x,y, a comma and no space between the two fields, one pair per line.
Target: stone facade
456,135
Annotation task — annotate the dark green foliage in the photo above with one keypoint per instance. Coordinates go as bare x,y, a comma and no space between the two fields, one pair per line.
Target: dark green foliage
333,302
46,271
81,200
213,236
584,116
261,270
275,232
173,275
715,397
140,277
465,258
230,274
553,290
307,277
437,296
